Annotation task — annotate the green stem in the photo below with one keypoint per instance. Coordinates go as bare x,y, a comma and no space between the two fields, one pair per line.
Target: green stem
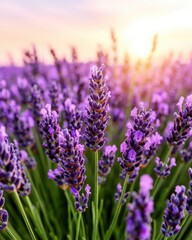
83,228
70,204
118,208
18,201
36,218
96,197
78,226
154,229
10,233
39,200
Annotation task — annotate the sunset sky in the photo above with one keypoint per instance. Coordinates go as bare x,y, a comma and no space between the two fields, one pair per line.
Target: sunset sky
87,23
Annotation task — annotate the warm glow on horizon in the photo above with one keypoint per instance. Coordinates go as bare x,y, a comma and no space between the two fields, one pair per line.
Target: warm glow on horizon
138,43
86,25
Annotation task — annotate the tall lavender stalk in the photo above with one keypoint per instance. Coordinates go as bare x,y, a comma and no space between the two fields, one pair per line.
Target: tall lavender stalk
133,150
96,119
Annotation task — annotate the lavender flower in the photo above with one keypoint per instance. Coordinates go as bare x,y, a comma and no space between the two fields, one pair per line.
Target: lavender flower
37,102
3,213
4,100
182,124
57,175
132,148
132,177
139,219
10,178
186,154
81,201
24,188
29,162
12,174
151,146
24,90
50,130
163,169
71,167
54,94
23,124
189,195
160,104
106,162
72,117
118,194
174,212
96,114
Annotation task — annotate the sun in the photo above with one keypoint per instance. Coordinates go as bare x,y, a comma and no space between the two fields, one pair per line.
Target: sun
137,40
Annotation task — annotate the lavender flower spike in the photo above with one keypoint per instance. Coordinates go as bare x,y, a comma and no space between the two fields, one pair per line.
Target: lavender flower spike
96,114
106,162
71,167
189,195
3,213
139,219
50,130
133,148
81,201
174,212
163,170
182,124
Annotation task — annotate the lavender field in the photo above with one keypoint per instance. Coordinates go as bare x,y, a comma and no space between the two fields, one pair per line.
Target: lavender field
96,150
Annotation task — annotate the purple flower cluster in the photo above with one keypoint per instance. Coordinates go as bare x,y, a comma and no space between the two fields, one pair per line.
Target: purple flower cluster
139,212
174,212
96,114
3,213
29,162
133,147
37,101
54,95
50,130
189,195
106,162
163,169
151,146
81,201
118,194
71,166
12,174
23,123
4,99
72,117
182,124
186,154
160,104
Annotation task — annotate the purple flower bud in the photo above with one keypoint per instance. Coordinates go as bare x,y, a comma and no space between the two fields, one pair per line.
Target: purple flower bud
23,124
189,193
186,154
118,194
151,146
133,148
96,114
54,94
139,212
180,131
81,201
174,212
50,130
3,219
37,100
72,116
106,162
163,170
